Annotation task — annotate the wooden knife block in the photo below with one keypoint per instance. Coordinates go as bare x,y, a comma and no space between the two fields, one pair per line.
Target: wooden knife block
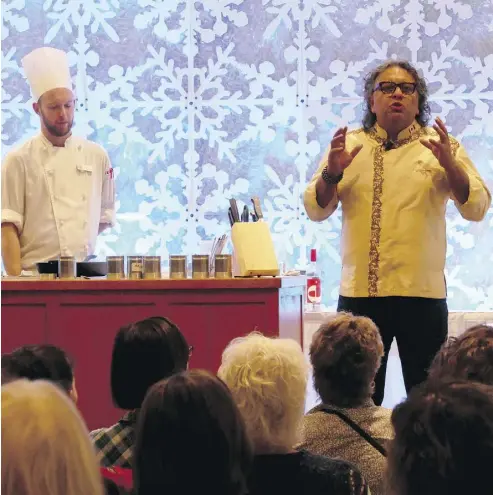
253,250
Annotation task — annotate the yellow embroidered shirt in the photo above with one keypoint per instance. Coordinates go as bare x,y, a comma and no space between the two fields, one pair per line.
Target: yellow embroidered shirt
393,240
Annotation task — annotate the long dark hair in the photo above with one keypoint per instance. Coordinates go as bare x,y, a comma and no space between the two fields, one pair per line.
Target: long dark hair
423,116
191,439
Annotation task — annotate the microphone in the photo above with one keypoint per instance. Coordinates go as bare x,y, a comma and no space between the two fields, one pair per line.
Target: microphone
388,145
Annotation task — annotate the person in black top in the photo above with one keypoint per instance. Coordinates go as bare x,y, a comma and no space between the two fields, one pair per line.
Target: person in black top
268,379
191,439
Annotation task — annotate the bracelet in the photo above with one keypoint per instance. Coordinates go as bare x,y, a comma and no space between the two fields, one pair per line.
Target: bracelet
331,179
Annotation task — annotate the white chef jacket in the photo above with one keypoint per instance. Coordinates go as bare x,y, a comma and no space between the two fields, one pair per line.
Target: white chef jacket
57,197
393,240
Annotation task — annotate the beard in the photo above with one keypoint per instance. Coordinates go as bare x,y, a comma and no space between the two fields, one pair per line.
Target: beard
55,130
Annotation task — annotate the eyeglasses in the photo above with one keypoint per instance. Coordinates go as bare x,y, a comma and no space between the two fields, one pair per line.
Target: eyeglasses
389,87
190,350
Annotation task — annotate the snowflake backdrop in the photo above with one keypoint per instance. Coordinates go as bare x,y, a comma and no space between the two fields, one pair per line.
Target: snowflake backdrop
200,101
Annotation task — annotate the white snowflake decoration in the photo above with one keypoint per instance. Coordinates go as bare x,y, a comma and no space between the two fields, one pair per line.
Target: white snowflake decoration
11,16
200,101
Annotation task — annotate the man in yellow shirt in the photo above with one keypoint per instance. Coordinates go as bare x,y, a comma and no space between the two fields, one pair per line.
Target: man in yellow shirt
394,178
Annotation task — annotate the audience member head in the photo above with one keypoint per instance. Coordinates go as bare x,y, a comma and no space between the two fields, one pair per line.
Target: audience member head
40,362
144,353
468,357
443,440
46,449
191,438
345,354
267,378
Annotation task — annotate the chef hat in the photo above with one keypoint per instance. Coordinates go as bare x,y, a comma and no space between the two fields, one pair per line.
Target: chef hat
46,68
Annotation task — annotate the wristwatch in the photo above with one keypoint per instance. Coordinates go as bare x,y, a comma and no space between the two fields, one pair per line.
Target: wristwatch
331,179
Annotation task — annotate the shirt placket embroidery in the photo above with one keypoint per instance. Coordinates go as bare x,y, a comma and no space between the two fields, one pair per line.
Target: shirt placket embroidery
376,208
376,218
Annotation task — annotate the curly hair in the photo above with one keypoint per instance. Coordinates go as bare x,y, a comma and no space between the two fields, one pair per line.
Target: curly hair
468,357
267,378
423,116
443,440
346,353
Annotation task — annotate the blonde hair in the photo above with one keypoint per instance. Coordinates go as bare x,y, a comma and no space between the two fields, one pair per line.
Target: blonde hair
46,449
267,378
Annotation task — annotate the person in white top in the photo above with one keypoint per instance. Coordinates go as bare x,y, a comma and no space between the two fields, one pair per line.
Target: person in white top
394,178
57,190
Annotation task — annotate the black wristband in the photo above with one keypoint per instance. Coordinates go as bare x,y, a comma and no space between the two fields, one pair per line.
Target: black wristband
331,179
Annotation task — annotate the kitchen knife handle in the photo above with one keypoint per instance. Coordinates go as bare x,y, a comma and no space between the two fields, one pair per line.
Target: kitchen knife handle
234,210
257,208
245,216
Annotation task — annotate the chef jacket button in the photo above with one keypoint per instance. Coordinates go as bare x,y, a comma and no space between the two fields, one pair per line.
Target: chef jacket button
84,197
61,223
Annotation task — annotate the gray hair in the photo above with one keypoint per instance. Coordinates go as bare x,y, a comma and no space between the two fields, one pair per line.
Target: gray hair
423,116
267,378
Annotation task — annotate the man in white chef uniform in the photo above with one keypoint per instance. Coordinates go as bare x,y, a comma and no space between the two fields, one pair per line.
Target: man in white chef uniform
57,189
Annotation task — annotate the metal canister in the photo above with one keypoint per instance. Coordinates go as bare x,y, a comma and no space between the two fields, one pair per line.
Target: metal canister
177,267
116,267
152,267
223,266
135,267
200,266
66,267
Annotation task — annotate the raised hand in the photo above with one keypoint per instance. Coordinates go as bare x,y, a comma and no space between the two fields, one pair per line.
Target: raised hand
339,157
440,149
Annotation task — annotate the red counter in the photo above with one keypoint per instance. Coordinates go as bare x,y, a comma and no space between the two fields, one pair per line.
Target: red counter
82,317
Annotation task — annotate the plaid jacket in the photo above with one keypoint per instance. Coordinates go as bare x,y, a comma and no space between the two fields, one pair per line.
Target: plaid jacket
114,444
